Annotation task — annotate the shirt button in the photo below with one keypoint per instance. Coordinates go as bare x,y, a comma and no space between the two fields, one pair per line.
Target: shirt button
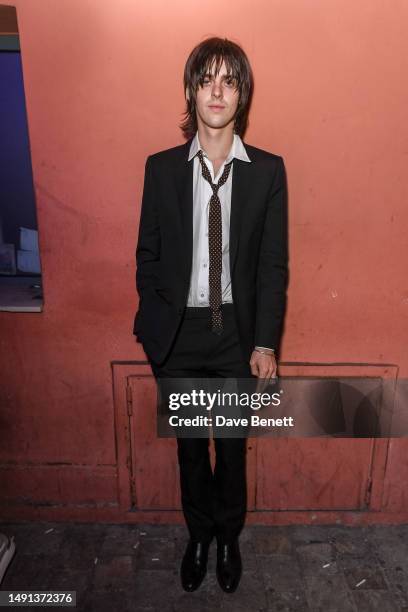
204,265
202,294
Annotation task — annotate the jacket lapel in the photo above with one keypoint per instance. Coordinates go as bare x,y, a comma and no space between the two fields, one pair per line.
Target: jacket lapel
242,176
184,185
241,180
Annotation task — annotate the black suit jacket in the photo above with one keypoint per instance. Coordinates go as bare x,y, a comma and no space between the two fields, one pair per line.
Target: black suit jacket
258,249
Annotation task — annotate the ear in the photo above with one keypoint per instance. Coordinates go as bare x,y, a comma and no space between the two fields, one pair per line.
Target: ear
187,94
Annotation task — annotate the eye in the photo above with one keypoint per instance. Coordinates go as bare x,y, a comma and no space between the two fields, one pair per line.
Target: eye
230,82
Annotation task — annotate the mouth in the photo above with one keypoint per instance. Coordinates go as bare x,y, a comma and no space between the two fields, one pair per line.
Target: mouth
216,108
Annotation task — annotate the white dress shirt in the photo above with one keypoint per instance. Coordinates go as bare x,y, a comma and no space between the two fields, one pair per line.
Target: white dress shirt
199,286
202,192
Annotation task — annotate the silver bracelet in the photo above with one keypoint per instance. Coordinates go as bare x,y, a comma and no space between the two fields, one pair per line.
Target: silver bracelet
265,351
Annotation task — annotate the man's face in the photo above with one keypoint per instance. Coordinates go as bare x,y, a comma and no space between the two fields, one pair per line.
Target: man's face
217,99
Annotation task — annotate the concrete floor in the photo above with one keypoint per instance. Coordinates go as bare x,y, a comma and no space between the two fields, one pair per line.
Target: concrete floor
124,568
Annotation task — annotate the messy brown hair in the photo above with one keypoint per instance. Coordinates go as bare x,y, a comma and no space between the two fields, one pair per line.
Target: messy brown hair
199,64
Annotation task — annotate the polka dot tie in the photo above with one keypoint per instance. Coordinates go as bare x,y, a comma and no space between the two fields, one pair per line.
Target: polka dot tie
215,245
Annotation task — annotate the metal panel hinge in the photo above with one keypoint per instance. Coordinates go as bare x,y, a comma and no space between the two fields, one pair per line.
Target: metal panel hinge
367,497
129,400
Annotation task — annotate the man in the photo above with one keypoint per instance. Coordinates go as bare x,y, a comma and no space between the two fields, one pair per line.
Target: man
211,275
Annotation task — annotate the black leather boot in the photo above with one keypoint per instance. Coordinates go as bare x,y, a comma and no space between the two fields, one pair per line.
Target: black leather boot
229,565
194,564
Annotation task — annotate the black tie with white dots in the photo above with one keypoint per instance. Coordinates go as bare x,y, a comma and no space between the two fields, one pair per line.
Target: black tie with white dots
215,244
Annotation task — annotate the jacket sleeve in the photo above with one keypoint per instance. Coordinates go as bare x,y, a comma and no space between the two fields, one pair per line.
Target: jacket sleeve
272,273
148,244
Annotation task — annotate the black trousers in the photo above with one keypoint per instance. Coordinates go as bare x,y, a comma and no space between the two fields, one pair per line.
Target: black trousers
213,503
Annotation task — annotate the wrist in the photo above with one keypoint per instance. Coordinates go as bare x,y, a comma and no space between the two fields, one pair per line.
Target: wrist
264,350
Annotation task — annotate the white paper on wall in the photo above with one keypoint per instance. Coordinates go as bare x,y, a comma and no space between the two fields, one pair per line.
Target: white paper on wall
28,261
28,239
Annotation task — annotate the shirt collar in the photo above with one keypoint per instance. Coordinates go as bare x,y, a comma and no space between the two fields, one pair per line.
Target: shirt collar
237,150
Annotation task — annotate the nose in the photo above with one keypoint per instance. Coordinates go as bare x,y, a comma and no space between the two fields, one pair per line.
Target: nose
216,90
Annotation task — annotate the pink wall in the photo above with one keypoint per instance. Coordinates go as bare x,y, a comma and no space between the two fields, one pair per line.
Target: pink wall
103,85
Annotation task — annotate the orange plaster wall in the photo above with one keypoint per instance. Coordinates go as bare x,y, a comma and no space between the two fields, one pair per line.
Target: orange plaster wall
103,83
